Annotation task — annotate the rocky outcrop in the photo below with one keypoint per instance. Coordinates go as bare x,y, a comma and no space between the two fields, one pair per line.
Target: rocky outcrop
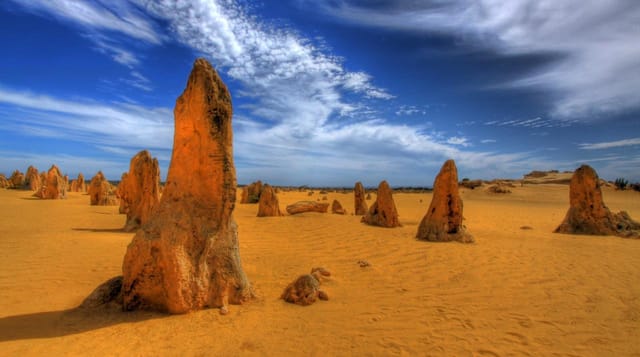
307,206
359,203
251,193
139,190
336,208
587,212
443,221
383,212
268,206
78,185
32,179
186,257
101,192
16,180
4,182
54,186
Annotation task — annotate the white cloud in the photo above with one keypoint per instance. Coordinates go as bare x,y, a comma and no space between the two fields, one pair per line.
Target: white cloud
610,144
458,140
122,124
488,141
594,42
408,110
114,16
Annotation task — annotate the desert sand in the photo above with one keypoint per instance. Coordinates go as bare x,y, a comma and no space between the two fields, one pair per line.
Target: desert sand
512,292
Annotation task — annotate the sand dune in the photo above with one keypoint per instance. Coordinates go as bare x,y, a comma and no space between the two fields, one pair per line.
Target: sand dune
513,292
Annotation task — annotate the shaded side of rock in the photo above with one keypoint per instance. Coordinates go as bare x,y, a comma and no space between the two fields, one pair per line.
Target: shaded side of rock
443,220
268,206
587,212
186,257
383,212
307,206
4,182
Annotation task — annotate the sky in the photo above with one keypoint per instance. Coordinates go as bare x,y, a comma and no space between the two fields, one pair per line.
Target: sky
328,92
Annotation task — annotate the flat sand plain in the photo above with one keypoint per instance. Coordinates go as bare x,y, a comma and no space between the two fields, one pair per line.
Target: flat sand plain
513,292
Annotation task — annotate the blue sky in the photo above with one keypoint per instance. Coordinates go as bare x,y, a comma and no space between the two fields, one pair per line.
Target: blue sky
328,92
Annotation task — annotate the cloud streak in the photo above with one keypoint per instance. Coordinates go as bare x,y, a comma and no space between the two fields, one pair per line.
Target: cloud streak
594,43
610,144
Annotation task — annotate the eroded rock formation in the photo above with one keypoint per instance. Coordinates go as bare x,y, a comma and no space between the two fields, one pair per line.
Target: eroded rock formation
268,206
16,180
32,179
587,212
101,192
4,182
139,190
305,290
336,208
78,185
54,186
307,206
186,256
443,221
383,212
359,202
251,193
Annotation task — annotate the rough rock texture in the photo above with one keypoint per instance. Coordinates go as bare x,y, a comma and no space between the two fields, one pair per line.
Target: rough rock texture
336,208
4,183
78,185
383,212
16,180
443,221
251,193
100,191
587,212
139,190
268,206
359,202
187,256
55,185
305,290
32,179
307,206
123,207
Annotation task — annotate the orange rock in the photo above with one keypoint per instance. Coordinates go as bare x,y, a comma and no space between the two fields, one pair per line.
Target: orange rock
336,208
443,221
78,185
101,192
360,205
383,212
186,256
307,206
120,193
16,180
251,193
54,186
587,212
4,183
32,179
139,190
268,205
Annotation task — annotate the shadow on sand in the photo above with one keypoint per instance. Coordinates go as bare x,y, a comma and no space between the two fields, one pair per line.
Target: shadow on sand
102,230
67,322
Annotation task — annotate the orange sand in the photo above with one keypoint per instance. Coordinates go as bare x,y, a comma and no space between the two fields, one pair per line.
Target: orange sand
513,292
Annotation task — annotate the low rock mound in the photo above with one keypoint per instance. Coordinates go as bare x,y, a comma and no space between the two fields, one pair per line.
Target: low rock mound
305,290
307,206
336,208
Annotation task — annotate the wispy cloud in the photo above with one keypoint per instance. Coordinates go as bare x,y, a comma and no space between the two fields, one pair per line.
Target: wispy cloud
532,123
594,43
610,144
408,110
488,141
458,140
122,124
